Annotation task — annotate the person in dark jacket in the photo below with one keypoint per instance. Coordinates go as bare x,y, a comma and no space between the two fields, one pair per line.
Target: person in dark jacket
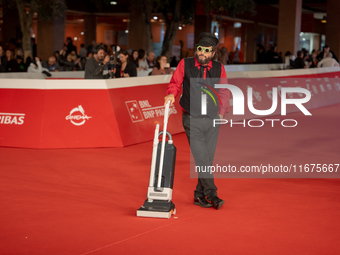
261,54
313,60
70,46
326,50
3,60
11,62
299,62
125,68
95,65
134,57
272,56
52,65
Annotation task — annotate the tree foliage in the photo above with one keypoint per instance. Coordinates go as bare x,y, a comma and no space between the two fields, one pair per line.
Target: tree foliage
46,10
174,13
179,12
231,7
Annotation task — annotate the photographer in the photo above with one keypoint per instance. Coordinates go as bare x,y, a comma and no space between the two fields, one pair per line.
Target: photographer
95,65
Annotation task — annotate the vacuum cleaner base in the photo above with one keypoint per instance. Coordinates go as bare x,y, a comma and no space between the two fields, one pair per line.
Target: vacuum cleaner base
157,209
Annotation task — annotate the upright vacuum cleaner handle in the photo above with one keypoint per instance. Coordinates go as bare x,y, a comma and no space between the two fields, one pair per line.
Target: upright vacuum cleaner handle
168,134
154,156
160,171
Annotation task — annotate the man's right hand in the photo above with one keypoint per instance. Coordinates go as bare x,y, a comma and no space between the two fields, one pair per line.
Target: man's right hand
170,97
106,59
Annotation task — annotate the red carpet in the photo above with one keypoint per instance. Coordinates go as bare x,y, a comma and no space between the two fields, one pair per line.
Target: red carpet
84,201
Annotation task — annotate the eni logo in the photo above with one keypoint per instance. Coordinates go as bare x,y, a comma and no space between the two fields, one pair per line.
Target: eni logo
204,97
209,93
77,116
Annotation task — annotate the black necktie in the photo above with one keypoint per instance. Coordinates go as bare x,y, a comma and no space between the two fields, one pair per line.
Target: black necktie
202,68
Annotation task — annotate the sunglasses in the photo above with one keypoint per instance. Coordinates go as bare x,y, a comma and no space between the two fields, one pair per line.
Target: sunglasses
205,49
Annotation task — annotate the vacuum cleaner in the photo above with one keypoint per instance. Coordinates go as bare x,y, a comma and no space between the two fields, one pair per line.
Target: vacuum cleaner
158,203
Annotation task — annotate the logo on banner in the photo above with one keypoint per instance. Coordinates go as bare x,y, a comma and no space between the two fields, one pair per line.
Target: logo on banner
211,95
142,110
134,111
12,118
77,116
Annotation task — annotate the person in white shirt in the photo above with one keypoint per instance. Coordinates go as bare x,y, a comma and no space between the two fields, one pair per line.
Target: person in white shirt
328,61
142,64
36,68
82,51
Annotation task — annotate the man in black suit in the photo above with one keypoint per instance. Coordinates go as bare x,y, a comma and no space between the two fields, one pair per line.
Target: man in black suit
326,50
299,62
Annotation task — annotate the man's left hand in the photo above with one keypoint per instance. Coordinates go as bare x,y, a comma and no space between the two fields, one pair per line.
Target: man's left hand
221,116
106,59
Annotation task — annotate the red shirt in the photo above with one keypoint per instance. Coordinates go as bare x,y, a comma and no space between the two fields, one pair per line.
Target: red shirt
176,82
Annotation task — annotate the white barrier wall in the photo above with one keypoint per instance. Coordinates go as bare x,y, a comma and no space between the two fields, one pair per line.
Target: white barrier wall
81,74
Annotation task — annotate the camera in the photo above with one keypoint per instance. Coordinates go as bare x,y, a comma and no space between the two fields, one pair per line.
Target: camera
111,65
112,59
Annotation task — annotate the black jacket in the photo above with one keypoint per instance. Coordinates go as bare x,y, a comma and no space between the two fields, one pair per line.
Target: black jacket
193,84
299,63
130,69
94,70
3,64
320,56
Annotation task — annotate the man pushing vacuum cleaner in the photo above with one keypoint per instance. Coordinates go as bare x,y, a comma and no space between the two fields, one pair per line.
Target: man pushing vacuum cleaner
198,77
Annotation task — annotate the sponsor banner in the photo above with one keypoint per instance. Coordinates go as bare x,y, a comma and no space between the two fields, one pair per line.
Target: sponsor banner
12,118
21,112
83,118
125,113
78,119
139,109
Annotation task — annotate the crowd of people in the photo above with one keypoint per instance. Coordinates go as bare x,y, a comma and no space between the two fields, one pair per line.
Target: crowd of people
11,60
69,59
303,58
127,63
325,58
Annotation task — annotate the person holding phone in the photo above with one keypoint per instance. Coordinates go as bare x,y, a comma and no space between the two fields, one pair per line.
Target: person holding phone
125,68
162,66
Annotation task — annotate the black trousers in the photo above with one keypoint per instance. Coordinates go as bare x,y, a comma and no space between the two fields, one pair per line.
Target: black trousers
202,137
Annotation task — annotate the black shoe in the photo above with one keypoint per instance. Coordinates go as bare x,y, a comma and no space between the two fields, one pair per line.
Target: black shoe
202,202
216,202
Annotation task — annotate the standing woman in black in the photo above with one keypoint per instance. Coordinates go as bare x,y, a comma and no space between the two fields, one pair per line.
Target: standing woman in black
11,63
125,68
134,57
